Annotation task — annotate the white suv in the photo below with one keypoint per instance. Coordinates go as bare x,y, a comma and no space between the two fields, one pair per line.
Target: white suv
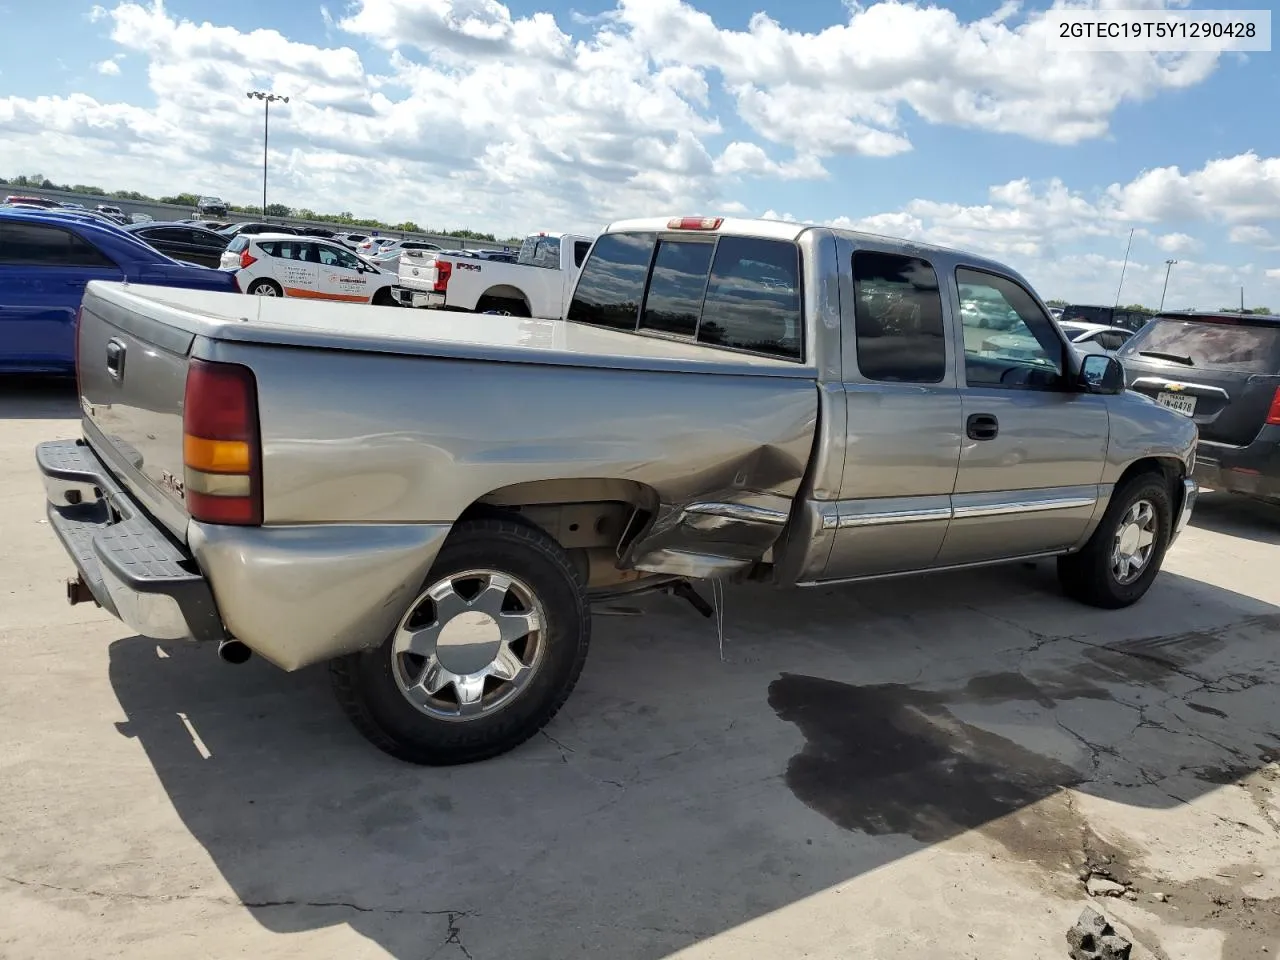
286,265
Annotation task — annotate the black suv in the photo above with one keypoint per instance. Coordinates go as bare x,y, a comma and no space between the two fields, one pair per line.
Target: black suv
1223,370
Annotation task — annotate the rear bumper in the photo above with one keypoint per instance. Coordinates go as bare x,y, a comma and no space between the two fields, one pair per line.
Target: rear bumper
132,568
294,594
1253,471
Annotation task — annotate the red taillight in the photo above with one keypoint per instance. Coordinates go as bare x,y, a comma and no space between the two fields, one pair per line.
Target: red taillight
695,223
76,347
247,259
444,270
1273,415
221,447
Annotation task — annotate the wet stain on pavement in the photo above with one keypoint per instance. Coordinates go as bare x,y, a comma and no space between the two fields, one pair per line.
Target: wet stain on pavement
892,759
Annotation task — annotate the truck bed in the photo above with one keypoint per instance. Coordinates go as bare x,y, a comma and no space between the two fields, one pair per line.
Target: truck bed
145,311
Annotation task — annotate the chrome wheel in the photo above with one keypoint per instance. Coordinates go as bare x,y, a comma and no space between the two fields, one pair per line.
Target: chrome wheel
469,645
1134,542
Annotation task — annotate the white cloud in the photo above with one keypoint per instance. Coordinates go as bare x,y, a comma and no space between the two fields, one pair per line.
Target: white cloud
108,68
1250,234
1233,189
1177,243
96,13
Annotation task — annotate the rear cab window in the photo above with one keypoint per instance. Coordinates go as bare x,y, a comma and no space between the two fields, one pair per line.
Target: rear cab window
740,293
540,252
1211,343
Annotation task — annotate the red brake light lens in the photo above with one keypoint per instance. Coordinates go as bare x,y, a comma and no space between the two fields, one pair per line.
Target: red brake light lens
695,223
247,259
1273,415
444,270
222,450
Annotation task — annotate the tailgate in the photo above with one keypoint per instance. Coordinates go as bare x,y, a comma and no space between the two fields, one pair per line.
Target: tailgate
132,370
1223,372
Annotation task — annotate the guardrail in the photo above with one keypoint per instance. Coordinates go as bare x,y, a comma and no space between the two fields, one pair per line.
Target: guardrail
173,211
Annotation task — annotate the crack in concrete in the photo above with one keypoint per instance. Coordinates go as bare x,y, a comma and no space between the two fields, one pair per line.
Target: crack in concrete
227,901
566,751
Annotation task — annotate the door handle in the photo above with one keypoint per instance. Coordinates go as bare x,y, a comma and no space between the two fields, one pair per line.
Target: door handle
982,426
115,359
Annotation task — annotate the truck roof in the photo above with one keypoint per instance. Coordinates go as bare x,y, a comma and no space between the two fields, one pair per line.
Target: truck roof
792,230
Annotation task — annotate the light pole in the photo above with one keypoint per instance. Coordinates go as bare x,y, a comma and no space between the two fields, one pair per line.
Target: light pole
1168,265
267,99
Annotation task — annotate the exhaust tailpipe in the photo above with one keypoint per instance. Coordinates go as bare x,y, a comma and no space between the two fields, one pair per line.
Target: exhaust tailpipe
233,651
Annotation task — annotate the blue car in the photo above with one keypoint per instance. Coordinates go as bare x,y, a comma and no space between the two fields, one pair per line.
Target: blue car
45,261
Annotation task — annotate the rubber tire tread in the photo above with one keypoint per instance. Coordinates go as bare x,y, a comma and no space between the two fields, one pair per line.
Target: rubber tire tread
1086,575
366,690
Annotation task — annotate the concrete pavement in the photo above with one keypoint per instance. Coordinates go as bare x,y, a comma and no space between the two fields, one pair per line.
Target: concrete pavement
925,768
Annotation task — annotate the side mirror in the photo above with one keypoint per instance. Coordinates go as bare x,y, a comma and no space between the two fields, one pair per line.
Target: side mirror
1100,373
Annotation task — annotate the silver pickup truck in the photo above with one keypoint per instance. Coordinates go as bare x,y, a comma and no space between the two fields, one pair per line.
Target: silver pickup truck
432,503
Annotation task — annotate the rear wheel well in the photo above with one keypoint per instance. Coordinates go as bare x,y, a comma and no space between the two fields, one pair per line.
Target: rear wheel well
507,298
593,519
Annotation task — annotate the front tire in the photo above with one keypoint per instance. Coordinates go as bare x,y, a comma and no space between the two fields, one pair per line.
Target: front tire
482,659
1118,564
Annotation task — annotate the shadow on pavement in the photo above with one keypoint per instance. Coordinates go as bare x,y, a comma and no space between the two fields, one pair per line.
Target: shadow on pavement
678,796
1237,516
38,398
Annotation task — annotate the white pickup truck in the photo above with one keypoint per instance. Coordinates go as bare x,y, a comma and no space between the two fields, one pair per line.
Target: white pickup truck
538,284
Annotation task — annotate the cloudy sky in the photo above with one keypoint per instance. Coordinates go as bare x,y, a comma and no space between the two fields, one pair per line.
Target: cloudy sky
955,124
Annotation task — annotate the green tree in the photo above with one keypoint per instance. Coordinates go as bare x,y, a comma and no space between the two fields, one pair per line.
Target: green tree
279,210
1055,302
182,199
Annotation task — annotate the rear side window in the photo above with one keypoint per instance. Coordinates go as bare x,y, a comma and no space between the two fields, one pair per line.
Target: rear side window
39,245
1213,345
898,319
737,292
580,248
753,298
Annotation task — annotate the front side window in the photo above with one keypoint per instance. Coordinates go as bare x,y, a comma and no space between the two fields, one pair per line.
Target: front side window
611,287
1009,341
898,319
333,257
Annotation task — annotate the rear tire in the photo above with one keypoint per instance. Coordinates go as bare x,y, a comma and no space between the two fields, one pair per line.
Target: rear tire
479,713
1122,558
383,298
505,305
265,288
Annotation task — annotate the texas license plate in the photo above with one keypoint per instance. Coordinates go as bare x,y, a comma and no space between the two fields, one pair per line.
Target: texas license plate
1177,401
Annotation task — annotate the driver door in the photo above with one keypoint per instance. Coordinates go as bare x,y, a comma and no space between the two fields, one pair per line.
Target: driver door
341,276
1032,447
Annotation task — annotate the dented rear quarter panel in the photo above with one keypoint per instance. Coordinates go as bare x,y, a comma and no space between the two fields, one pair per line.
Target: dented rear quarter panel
353,437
